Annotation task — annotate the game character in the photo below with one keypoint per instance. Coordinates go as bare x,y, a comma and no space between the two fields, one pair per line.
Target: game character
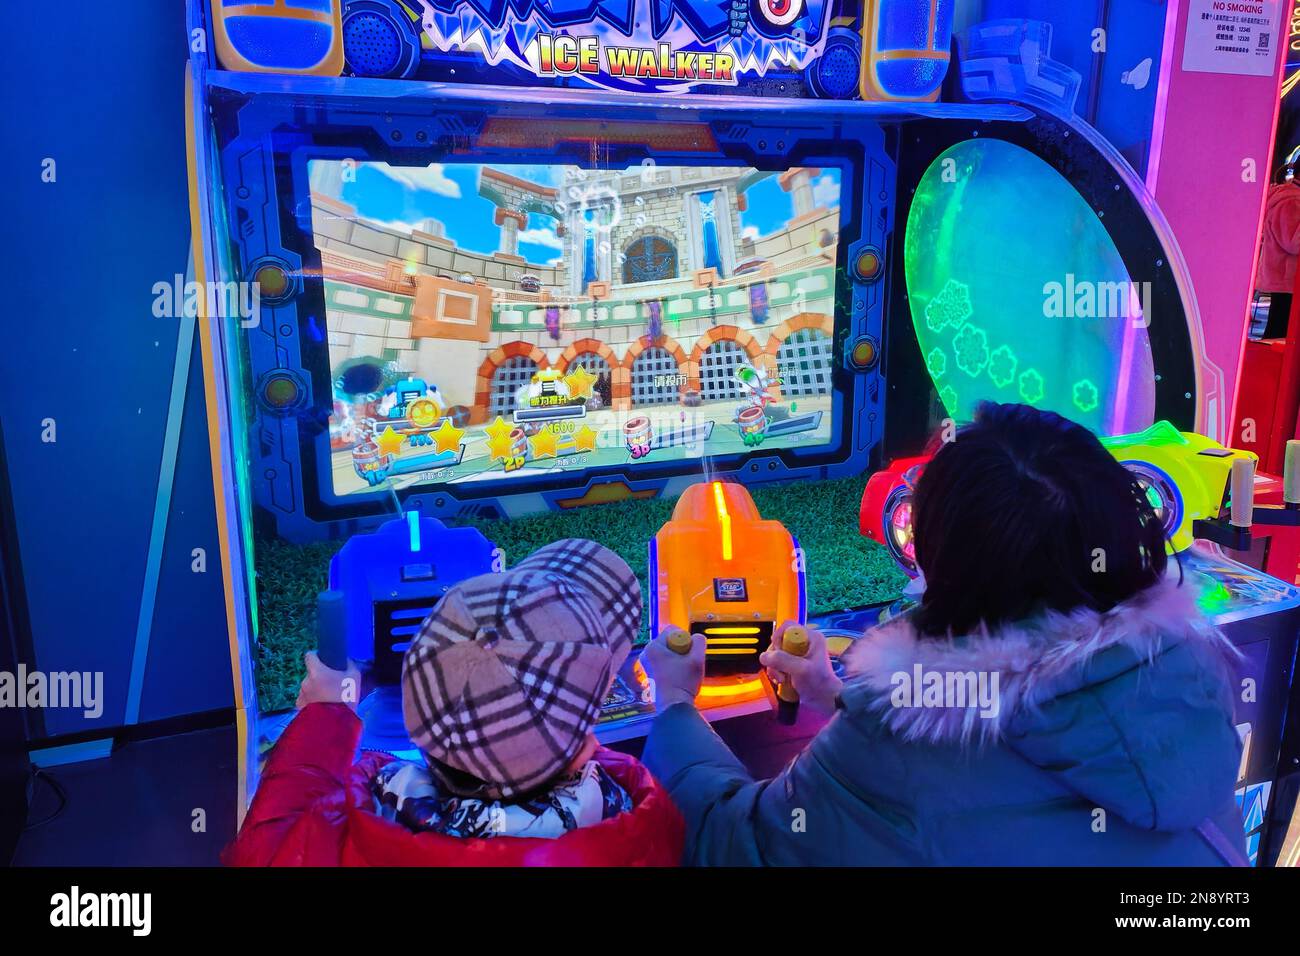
752,424
1087,696
547,387
518,449
515,666
751,415
754,382
417,402
343,427
369,462
399,397
637,435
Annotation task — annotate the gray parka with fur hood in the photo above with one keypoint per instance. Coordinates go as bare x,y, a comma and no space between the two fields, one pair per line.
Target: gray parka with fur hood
1112,744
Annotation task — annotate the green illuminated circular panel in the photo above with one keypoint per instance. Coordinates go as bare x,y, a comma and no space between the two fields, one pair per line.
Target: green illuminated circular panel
1018,293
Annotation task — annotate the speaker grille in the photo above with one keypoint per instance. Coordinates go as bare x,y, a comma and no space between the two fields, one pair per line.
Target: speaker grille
396,624
838,71
371,44
732,647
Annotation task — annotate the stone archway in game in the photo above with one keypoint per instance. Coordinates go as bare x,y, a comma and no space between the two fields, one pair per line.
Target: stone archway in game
715,355
643,360
503,369
594,356
583,346
798,338
718,365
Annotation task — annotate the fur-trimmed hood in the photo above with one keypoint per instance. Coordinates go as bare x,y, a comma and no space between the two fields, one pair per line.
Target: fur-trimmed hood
1098,700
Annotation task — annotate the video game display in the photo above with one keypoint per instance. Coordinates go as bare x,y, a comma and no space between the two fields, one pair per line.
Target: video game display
491,322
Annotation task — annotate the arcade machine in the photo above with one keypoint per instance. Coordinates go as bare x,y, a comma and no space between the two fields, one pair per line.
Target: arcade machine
1088,331
510,259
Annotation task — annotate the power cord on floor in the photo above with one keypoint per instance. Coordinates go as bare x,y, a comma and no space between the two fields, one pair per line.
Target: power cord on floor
60,794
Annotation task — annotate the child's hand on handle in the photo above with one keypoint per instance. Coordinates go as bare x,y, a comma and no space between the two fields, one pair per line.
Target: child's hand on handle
812,675
677,676
324,685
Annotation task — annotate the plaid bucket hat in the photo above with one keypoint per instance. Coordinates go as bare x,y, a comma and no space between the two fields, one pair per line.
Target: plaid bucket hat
506,676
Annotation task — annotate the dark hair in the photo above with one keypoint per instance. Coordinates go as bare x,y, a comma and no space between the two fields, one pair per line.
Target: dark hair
1018,514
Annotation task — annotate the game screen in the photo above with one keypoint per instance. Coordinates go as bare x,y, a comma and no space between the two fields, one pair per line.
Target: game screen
492,322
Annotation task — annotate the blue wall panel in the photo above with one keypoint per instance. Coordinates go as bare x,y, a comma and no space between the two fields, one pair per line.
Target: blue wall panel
189,654
105,101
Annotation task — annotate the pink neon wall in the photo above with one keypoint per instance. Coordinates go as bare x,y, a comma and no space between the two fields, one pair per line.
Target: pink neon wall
1211,124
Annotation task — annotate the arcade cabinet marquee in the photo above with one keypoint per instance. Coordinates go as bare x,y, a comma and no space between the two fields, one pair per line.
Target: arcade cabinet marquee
793,48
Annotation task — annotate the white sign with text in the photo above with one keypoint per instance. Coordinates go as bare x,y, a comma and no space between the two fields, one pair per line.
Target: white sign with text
1239,37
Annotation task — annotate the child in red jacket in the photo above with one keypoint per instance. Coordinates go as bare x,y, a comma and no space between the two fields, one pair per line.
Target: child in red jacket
500,690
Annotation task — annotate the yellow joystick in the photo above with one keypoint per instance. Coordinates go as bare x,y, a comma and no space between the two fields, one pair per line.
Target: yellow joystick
793,641
678,641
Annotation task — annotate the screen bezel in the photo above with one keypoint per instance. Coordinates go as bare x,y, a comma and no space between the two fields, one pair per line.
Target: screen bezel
294,149
507,484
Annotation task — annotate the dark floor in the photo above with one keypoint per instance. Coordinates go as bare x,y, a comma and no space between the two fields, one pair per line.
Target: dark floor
138,807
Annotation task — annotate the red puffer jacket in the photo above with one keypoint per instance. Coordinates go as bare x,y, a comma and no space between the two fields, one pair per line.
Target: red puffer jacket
314,808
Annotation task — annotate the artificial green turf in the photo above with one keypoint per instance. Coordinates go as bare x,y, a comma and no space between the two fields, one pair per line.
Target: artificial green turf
289,576
845,570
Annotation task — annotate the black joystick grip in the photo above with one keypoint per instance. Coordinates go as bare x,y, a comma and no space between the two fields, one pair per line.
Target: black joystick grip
331,630
793,641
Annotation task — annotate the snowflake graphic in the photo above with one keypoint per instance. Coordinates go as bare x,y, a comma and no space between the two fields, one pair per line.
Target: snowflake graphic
950,307
1085,395
948,395
972,348
1031,386
1002,366
936,362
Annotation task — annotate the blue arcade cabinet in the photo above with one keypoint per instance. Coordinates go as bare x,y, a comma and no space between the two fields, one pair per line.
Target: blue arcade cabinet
382,586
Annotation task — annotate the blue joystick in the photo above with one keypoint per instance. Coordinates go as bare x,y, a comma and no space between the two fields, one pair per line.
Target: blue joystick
331,630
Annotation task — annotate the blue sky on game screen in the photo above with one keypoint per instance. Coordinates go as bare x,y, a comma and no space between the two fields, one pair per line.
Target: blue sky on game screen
402,196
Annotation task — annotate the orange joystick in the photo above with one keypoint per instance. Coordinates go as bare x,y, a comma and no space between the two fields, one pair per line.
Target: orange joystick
793,641
678,641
